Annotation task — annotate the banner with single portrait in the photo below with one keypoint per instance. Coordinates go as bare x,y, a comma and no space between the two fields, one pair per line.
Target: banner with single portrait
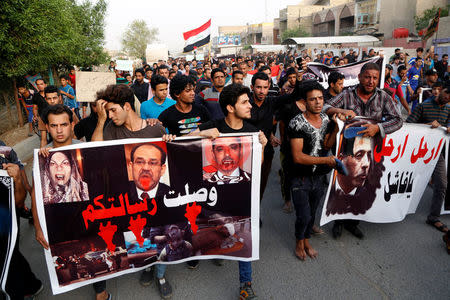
116,207
8,226
386,176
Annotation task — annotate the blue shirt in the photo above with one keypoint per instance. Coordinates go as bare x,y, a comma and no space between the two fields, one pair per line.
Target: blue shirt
71,103
413,75
151,110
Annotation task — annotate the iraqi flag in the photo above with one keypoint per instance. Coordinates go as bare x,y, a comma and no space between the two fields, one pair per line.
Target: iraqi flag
197,37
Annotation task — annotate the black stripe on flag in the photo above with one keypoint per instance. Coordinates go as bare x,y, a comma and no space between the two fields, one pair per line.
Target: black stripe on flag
197,44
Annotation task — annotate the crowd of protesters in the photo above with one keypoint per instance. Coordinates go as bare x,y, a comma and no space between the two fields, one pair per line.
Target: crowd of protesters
257,93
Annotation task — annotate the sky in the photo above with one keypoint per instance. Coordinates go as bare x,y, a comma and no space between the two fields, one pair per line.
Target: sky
173,17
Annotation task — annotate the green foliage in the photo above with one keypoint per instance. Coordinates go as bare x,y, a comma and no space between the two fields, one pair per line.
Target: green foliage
37,34
136,38
423,20
294,32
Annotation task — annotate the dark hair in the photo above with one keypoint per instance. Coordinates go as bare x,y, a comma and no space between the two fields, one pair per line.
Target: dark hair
126,75
437,84
417,59
64,76
158,79
71,68
334,76
397,49
162,67
38,79
370,66
430,72
237,72
57,109
174,64
230,94
420,49
186,64
217,70
263,68
260,76
243,63
118,94
179,83
401,68
51,89
163,153
172,72
140,70
290,71
308,86
444,55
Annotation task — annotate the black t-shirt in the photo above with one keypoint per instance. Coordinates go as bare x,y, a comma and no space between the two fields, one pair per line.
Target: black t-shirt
285,114
40,102
351,58
313,138
179,123
86,127
140,91
262,117
223,127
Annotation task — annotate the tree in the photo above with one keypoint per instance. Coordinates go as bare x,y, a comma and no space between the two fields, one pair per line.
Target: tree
37,34
136,38
294,32
423,20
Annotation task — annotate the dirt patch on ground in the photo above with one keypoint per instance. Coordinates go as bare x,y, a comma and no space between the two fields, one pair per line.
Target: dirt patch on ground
14,136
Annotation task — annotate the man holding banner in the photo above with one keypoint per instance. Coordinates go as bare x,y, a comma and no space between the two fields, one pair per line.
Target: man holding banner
235,104
365,100
436,112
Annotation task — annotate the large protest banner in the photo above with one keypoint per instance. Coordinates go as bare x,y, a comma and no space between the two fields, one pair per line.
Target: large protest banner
350,71
386,177
88,83
116,207
8,226
124,65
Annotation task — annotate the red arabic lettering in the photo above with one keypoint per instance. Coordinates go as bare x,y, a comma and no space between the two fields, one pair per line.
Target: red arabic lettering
420,153
400,153
136,227
191,214
106,233
439,148
386,150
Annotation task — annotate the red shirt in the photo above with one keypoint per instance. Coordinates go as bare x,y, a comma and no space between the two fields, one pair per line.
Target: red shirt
72,79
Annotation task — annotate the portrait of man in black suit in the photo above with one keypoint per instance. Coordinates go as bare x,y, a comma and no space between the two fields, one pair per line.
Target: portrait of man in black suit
147,165
227,160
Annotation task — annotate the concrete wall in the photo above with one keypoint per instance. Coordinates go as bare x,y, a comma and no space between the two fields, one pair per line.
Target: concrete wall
394,14
422,5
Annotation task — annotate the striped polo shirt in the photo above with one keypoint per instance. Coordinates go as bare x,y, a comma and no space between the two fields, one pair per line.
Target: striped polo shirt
209,98
430,110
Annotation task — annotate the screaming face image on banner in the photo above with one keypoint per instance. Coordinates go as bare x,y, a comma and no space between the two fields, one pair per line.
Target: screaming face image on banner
355,193
62,179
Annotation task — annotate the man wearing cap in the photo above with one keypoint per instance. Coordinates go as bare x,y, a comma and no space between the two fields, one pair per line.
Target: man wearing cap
431,77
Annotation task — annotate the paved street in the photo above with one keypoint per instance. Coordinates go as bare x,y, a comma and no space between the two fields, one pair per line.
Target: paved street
405,260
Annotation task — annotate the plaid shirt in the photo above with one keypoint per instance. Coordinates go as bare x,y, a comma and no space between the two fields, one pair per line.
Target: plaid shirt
379,107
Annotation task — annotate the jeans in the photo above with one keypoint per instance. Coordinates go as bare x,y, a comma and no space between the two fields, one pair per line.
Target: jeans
439,178
99,286
306,195
245,271
160,270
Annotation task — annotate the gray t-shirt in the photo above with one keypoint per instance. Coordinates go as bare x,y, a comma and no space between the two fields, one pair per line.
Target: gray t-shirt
74,141
113,132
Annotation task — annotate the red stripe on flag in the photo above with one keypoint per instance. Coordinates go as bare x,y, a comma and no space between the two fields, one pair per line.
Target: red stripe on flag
196,31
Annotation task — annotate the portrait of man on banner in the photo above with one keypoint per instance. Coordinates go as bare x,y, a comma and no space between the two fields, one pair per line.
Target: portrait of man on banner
226,160
356,192
147,171
61,179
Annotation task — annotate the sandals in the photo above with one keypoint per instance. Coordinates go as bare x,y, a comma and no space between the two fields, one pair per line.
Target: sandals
447,242
440,228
